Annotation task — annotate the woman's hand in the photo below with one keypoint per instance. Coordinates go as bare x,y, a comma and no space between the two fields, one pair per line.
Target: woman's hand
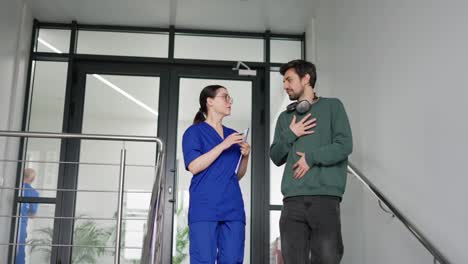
244,148
234,138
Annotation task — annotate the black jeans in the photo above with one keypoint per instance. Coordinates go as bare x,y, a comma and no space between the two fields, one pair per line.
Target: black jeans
310,230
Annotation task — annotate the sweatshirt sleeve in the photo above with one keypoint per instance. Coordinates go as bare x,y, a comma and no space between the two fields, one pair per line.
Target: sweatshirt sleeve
342,141
282,142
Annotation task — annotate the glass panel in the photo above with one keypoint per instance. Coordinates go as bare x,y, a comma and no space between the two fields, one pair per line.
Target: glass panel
239,120
124,105
283,51
46,115
53,40
48,96
139,178
218,48
278,102
123,44
133,232
41,170
93,241
35,227
275,241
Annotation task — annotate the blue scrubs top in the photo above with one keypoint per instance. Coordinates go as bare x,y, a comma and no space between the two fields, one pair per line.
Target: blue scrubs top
215,193
28,209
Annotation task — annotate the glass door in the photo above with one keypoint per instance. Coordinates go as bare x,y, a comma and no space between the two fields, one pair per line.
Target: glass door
188,84
111,99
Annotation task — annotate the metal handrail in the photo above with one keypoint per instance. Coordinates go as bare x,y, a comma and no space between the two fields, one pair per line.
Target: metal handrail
4,133
410,226
159,180
152,245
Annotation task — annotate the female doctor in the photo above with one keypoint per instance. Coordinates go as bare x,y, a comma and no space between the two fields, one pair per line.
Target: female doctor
211,153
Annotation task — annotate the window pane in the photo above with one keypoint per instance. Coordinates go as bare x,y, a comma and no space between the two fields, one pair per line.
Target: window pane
278,102
48,96
46,115
275,241
124,105
42,167
218,48
283,51
35,227
53,40
123,44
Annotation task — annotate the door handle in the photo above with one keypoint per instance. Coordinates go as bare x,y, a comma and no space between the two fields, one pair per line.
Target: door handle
169,191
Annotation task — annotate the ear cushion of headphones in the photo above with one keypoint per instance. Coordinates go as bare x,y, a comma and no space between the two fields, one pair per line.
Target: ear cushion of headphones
302,107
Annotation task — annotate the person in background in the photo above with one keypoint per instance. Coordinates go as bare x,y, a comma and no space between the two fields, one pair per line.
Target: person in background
27,210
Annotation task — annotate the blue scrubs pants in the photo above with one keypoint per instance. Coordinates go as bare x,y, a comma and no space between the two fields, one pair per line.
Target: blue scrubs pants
21,249
222,241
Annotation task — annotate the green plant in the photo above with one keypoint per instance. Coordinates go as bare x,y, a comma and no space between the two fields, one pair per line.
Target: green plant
182,240
94,237
85,233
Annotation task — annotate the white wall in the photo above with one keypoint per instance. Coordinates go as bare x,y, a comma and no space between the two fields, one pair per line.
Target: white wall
15,30
399,68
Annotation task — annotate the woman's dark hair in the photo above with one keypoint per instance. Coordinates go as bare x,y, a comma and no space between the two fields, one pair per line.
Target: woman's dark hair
302,68
207,92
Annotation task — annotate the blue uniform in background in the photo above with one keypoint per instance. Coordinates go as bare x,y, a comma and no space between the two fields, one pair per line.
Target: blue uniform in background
27,209
216,212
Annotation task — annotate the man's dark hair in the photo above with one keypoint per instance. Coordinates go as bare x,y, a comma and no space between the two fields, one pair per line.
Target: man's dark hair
302,68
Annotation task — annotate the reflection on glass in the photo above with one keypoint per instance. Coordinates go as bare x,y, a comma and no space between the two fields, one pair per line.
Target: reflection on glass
53,40
35,229
124,105
239,120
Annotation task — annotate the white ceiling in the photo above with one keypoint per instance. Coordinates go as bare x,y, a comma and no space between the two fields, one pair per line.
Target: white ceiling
279,16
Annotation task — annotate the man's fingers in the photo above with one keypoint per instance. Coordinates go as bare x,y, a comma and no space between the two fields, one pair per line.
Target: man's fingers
309,127
303,172
300,173
310,121
295,165
305,118
309,132
299,153
293,120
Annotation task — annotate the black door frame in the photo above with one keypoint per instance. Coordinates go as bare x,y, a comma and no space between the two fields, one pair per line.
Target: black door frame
70,150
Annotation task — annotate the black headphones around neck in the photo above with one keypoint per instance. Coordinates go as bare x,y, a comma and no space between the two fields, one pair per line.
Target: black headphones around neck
301,107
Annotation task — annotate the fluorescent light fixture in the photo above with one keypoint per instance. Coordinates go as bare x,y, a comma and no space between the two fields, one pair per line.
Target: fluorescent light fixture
48,45
107,82
127,95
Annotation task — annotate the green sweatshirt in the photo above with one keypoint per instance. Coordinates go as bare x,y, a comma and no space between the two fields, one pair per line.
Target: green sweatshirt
326,150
